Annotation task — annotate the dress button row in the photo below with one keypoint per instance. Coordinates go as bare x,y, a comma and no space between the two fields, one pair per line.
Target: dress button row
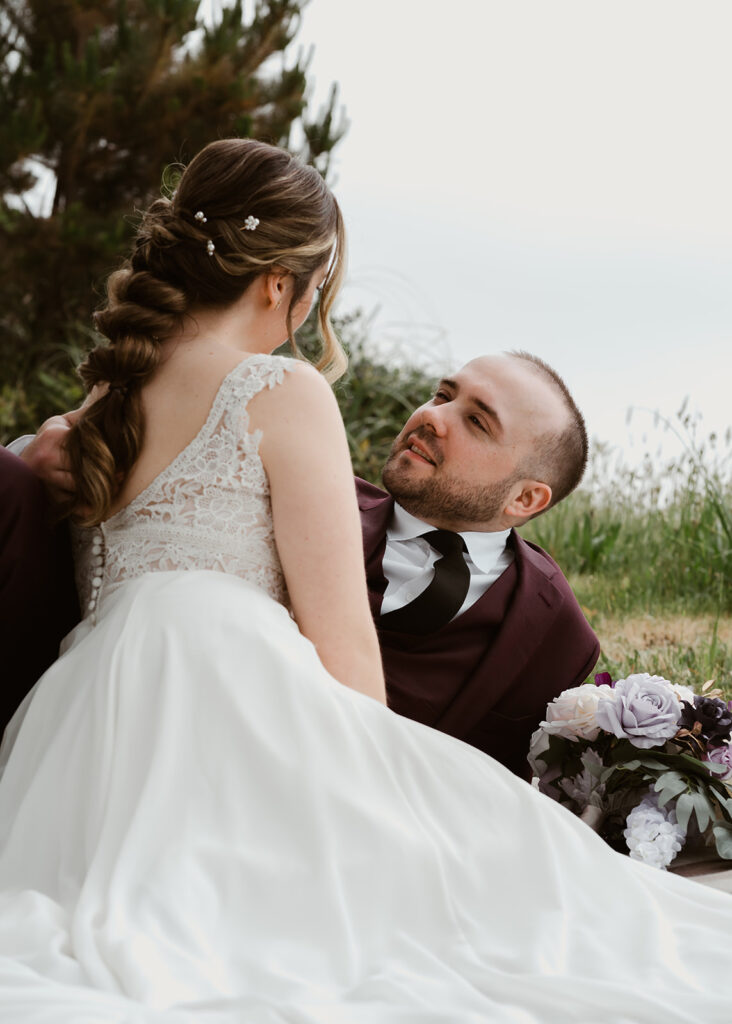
97,550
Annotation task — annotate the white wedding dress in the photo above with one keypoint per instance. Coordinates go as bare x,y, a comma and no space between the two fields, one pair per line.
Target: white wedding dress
199,825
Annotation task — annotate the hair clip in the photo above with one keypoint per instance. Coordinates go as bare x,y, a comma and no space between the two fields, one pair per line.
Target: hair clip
250,224
200,215
210,247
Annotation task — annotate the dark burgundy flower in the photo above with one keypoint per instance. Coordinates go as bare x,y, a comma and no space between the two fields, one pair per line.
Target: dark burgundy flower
603,679
713,715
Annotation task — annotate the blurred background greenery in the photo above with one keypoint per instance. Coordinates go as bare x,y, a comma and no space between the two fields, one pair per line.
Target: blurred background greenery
98,99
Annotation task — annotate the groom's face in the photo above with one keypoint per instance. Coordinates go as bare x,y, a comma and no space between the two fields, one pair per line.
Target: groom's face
463,456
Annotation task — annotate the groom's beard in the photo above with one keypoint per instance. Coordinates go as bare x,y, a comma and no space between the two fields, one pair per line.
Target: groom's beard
443,498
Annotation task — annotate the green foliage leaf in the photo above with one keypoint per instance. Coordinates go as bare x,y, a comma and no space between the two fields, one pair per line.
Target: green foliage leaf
722,832
703,809
106,96
684,808
668,786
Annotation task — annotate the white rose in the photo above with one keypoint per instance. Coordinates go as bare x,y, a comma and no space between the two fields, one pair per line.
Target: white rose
683,692
573,713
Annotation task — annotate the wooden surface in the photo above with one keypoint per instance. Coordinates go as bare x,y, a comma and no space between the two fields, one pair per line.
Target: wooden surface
703,866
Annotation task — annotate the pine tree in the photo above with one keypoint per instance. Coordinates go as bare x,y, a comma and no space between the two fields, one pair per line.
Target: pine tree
105,95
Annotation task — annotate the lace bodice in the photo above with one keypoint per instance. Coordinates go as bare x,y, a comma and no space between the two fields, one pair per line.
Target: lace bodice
208,509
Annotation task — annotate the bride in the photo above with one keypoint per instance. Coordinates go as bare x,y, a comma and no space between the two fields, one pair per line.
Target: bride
207,814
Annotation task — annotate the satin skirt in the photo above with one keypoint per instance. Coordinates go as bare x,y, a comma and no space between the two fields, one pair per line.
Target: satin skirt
199,825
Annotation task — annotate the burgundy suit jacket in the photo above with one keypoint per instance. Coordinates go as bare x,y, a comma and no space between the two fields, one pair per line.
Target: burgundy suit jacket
38,603
487,676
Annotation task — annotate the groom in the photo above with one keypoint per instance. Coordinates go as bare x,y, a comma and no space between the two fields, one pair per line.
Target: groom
478,628
498,443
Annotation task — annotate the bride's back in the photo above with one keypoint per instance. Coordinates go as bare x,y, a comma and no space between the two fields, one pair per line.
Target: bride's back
200,498
165,461
176,403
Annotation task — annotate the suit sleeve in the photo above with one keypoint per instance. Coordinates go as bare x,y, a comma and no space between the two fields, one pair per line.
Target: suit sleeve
564,660
37,598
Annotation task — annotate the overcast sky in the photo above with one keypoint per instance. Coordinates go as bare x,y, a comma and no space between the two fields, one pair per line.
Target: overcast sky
546,174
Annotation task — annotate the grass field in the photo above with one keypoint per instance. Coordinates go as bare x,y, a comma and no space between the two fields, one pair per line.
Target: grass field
688,649
648,552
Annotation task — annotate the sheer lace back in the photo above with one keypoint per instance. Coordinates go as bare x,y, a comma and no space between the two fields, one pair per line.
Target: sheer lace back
208,509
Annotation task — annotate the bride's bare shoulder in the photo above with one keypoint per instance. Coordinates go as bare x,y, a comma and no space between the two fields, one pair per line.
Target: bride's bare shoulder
302,393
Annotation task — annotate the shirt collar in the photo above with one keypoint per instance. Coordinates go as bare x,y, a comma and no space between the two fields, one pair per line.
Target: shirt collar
484,547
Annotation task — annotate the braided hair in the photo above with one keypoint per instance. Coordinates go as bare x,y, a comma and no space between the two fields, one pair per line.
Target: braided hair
183,259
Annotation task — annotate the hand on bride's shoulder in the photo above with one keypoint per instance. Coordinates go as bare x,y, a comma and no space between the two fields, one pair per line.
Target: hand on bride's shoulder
316,522
46,456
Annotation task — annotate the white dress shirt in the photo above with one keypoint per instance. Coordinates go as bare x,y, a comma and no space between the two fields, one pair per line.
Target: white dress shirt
20,443
408,560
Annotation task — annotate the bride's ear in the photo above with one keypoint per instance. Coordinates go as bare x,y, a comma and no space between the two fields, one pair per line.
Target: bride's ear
275,284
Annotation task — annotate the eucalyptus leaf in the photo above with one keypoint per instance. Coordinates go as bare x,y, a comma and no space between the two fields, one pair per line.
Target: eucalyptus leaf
682,762
653,764
723,839
669,786
684,807
703,809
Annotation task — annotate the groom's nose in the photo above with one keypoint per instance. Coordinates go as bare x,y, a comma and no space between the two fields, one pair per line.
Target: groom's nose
434,418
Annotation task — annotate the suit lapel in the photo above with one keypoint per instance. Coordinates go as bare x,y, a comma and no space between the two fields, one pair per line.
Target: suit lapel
376,507
529,617
531,613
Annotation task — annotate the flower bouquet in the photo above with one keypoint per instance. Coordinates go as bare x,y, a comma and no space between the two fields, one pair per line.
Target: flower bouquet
646,762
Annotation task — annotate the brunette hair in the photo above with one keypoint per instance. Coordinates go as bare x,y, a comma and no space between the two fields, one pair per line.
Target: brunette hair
180,262
559,459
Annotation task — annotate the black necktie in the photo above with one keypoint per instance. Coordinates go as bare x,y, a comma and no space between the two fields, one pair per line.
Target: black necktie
443,598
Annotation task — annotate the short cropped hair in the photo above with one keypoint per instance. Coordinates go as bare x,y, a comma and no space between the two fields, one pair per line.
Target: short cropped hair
559,459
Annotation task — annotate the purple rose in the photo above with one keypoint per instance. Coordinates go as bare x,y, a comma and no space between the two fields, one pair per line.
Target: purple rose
714,716
721,755
642,708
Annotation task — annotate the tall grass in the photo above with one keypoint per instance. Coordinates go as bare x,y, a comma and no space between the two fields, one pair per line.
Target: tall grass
641,539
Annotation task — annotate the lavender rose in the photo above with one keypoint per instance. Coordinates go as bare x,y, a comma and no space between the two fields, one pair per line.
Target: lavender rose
721,755
642,708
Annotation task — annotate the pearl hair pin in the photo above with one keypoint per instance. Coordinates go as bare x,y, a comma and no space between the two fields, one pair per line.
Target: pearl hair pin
210,247
251,223
200,215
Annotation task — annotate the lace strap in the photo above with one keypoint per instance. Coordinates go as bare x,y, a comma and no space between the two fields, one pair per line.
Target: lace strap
253,375
245,381
238,387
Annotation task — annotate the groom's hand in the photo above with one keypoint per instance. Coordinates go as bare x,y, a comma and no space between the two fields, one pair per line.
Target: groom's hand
46,455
